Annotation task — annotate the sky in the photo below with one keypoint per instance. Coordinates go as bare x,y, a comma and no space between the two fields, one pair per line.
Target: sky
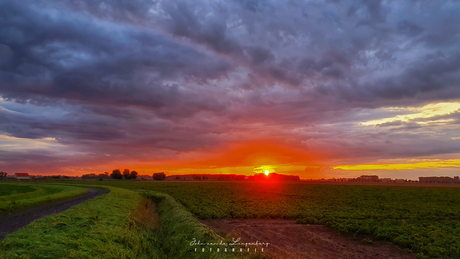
312,88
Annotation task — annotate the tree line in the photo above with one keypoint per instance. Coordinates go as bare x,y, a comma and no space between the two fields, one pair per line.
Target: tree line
126,174
117,174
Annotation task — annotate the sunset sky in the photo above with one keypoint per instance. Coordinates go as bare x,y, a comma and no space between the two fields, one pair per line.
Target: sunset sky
312,88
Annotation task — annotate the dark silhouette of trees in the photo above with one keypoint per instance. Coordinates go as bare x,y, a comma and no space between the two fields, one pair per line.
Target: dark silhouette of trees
116,174
159,176
3,175
126,174
134,175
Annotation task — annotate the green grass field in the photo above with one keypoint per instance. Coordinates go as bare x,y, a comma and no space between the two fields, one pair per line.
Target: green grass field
9,189
14,195
423,219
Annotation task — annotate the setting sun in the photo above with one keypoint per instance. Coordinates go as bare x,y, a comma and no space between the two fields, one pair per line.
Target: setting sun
266,172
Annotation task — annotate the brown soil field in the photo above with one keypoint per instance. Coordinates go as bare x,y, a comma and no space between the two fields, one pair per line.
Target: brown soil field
290,240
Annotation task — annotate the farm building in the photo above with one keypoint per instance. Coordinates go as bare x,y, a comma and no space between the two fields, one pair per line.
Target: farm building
179,178
439,179
385,180
368,178
22,176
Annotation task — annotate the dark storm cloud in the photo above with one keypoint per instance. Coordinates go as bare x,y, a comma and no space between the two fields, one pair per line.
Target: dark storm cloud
72,58
26,158
212,31
409,28
74,127
189,75
259,55
435,72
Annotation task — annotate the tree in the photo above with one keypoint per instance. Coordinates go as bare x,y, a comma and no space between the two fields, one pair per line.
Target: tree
134,175
116,174
126,174
3,175
159,176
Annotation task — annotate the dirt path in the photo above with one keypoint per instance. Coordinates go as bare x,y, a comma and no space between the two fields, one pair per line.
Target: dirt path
290,240
10,222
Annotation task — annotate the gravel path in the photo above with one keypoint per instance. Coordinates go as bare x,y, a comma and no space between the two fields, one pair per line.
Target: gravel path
10,222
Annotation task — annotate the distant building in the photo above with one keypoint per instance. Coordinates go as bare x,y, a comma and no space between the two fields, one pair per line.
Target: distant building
22,176
368,178
274,177
400,180
439,179
341,179
232,177
144,177
206,177
91,176
385,180
179,178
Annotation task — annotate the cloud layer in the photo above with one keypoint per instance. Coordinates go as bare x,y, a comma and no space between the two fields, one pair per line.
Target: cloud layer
126,81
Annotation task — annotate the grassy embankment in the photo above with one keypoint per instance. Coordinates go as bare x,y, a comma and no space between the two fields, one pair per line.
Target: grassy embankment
15,195
423,219
120,224
179,227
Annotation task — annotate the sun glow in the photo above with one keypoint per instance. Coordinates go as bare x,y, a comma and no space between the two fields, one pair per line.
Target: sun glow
264,169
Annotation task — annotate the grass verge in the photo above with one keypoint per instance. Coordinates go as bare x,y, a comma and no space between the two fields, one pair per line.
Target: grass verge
16,196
